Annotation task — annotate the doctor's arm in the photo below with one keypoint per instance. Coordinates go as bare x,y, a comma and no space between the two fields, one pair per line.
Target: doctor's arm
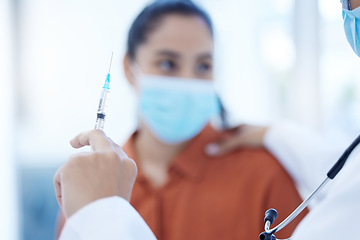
304,154
93,190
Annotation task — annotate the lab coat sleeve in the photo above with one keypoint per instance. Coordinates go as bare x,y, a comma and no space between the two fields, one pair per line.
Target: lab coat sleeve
110,218
305,155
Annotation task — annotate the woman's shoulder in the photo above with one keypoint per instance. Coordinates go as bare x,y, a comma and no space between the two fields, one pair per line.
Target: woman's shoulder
259,159
250,162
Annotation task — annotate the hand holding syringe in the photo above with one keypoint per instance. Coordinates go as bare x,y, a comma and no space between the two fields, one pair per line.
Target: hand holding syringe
104,98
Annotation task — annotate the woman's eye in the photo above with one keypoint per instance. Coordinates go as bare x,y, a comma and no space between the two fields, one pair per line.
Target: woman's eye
204,68
167,66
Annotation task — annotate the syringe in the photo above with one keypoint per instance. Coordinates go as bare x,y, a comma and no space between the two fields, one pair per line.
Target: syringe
104,98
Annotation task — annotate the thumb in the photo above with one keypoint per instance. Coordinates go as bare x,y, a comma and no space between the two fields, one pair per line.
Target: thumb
224,146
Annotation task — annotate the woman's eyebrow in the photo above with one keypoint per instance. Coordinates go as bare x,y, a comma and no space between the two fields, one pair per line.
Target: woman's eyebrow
205,56
168,53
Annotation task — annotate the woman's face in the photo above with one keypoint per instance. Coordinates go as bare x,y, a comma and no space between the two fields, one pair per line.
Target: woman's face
179,46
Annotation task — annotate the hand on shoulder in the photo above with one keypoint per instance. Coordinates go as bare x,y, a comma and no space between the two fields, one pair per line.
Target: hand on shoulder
242,136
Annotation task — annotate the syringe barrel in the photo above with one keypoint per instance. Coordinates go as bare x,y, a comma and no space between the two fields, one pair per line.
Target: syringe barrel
99,123
102,109
104,99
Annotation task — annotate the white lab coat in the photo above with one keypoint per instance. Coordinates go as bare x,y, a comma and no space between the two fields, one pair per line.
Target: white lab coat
306,157
110,218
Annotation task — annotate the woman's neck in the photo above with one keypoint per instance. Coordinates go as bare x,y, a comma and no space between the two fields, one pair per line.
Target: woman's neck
154,156
150,149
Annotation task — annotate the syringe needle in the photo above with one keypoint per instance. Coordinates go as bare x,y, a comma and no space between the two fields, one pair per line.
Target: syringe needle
111,61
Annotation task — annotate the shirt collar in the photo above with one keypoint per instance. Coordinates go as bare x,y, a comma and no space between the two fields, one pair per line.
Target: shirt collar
192,159
190,162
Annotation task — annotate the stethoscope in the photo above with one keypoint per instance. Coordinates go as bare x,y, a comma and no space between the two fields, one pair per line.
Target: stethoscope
271,214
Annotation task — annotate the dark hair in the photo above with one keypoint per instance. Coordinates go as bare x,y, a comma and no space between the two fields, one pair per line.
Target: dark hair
146,21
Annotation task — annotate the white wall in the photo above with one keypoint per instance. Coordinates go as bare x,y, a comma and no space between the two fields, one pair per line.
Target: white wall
65,50
8,196
275,59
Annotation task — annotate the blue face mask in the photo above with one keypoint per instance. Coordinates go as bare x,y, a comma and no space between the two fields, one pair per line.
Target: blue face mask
352,28
175,109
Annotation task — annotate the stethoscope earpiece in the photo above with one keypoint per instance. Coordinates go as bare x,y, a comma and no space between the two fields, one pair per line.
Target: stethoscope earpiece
266,236
270,215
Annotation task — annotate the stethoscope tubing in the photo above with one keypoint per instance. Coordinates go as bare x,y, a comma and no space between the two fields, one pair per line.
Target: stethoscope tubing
297,211
330,176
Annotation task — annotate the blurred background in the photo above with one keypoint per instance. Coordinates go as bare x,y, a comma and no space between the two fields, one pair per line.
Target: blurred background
276,59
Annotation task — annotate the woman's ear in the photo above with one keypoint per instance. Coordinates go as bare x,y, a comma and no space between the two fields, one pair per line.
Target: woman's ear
127,70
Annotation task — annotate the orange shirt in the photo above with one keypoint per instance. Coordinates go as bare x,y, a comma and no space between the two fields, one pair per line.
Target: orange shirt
215,198
222,198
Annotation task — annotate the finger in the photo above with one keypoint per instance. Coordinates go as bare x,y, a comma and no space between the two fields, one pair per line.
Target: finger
94,138
233,130
119,150
57,186
223,146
